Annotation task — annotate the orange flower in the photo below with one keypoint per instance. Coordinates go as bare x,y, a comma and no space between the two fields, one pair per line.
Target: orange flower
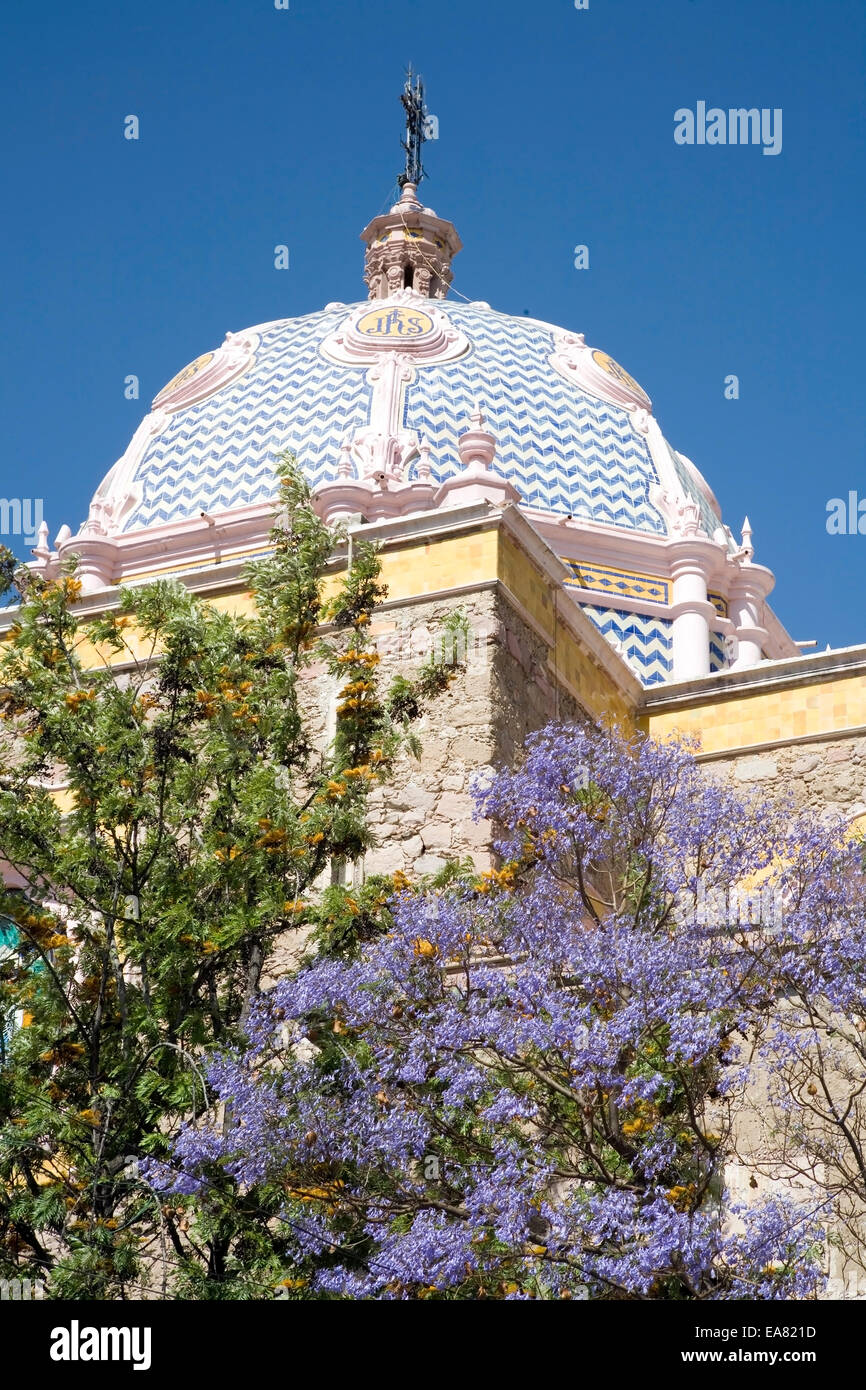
78,697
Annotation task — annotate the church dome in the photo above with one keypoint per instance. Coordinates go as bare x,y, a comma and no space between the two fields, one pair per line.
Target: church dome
569,424
416,401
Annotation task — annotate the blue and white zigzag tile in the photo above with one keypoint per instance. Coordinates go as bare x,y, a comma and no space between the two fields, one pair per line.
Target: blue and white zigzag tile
645,641
563,450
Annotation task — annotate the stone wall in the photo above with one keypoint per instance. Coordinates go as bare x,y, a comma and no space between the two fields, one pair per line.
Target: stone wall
821,776
423,816
525,696
506,689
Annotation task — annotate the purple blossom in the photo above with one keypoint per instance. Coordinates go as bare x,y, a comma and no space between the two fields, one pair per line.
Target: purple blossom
522,1087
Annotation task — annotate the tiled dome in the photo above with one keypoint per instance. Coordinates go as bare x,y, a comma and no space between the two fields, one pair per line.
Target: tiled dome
412,402
564,449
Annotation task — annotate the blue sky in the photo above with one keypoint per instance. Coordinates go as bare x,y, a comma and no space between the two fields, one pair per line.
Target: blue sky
261,126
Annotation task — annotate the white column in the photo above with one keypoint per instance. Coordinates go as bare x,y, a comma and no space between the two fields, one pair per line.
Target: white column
691,610
746,608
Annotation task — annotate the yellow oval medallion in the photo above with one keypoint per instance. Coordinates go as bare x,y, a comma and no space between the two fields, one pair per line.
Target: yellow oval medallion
395,322
186,375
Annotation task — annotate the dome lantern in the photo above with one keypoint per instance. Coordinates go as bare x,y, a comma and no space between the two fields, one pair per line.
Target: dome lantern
409,248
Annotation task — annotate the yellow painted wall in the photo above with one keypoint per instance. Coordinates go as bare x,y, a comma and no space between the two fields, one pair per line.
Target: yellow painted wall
570,660
767,716
410,571
427,567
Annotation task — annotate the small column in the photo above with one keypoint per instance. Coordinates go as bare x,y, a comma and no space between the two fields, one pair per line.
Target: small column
746,604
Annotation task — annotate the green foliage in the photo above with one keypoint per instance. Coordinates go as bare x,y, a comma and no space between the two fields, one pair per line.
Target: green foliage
168,824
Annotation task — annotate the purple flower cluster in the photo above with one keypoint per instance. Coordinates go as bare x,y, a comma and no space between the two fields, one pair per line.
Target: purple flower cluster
526,1089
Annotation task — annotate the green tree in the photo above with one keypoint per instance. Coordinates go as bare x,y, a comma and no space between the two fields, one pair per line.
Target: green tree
169,815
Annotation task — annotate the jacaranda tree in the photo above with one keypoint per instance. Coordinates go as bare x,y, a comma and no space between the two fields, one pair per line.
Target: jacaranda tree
529,1086
805,1124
